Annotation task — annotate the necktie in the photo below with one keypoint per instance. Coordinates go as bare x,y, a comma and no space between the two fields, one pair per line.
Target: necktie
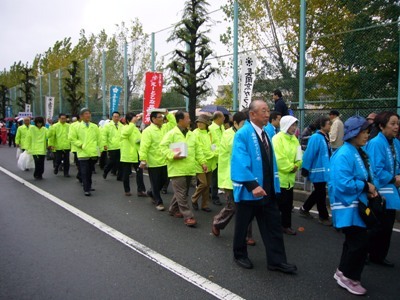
265,143
116,126
87,124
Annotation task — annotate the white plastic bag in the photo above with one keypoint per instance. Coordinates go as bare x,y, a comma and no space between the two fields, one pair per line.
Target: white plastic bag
19,151
26,161
71,158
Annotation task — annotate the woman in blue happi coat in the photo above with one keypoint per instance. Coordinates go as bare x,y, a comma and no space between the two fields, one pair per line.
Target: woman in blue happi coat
316,168
384,151
351,181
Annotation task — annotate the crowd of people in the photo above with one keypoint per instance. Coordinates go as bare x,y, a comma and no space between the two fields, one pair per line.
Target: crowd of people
253,158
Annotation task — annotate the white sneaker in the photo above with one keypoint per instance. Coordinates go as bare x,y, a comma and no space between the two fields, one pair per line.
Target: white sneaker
338,274
352,286
160,207
220,192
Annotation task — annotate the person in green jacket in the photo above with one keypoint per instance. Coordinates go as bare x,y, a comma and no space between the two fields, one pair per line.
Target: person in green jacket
130,139
75,122
216,130
111,135
149,154
36,142
224,178
182,166
59,142
288,159
204,178
20,138
85,136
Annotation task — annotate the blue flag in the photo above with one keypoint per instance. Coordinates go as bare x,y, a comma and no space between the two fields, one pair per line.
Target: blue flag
115,92
8,112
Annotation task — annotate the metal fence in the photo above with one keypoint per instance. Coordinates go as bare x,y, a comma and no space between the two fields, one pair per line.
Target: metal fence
354,71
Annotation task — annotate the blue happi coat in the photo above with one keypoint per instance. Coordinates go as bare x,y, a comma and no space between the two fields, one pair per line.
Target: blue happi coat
270,130
346,186
316,158
385,168
246,163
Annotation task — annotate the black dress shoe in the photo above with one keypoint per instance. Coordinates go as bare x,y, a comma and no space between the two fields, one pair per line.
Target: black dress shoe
283,267
55,171
206,209
385,263
92,190
217,202
104,175
244,262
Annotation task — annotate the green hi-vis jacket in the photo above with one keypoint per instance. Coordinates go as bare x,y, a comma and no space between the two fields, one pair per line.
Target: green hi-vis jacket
204,140
111,135
36,140
20,138
185,166
58,136
86,138
224,160
130,139
285,147
150,143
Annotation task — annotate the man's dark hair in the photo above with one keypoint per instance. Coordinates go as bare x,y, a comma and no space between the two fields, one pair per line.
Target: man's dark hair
129,116
274,115
239,117
62,115
320,122
217,114
334,112
278,93
153,114
179,115
38,120
116,112
383,118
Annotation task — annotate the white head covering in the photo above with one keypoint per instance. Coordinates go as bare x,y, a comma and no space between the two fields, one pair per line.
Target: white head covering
286,122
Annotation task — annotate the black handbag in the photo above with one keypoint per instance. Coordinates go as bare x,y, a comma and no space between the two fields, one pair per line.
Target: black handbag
372,213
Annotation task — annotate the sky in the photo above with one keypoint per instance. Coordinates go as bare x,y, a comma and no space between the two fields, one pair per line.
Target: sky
31,27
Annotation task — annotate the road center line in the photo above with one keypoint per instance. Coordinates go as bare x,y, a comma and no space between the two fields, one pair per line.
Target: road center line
183,272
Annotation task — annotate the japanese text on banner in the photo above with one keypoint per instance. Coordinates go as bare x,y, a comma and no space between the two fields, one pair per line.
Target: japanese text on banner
152,94
249,64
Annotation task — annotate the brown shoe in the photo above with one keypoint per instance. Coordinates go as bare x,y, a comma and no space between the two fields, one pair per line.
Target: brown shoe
128,194
215,230
191,222
176,214
289,231
250,242
142,194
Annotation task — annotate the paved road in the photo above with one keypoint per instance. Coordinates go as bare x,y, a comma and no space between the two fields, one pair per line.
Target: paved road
47,252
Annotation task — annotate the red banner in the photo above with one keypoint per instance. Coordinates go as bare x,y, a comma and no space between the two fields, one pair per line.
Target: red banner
152,94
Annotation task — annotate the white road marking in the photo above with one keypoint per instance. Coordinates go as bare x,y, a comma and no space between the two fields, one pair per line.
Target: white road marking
316,212
183,272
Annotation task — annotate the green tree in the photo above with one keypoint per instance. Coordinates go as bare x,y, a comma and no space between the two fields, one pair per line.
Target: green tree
3,99
226,96
172,99
27,86
190,67
72,84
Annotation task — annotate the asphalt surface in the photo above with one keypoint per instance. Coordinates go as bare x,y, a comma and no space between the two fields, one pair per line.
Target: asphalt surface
48,253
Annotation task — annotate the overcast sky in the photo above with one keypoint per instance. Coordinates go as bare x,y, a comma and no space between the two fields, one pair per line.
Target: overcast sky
31,27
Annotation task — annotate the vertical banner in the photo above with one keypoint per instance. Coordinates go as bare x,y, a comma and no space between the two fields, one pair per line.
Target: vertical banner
27,108
115,92
152,94
49,107
248,75
8,112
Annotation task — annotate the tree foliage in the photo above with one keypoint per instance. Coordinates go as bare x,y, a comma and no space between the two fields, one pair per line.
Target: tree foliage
349,54
27,87
71,88
190,67
3,99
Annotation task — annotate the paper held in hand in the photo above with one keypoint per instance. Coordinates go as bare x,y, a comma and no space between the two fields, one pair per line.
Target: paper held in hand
299,154
179,147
